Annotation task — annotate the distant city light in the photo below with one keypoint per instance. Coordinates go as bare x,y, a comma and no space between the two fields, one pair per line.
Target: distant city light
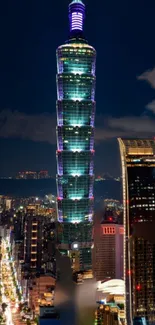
75,245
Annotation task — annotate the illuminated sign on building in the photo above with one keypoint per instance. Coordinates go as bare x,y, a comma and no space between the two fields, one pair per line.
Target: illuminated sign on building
109,230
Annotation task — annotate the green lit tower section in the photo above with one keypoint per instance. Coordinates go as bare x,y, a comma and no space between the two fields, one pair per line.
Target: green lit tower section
75,139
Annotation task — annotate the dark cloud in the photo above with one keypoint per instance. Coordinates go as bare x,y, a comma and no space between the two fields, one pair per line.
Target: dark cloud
148,76
151,106
131,126
38,128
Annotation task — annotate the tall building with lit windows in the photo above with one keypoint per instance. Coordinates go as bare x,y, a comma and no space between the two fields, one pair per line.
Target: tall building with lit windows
138,174
108,251
75,140
39,243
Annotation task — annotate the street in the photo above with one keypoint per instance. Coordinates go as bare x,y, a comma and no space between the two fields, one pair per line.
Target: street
10,293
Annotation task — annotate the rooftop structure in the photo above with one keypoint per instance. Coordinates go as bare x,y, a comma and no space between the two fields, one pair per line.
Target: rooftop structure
112,287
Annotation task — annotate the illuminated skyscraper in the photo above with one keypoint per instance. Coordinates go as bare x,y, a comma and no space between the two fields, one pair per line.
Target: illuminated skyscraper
108,246
75,140
138,174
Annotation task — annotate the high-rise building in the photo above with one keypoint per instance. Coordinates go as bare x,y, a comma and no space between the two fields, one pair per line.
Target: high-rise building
75,140
109,314
138,174
108,251
49,316
39,243
41,292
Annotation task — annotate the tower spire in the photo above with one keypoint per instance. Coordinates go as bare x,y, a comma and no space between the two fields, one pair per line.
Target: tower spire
76,17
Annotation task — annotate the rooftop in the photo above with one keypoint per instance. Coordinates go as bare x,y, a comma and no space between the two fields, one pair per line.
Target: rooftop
137,146
77,1
112,287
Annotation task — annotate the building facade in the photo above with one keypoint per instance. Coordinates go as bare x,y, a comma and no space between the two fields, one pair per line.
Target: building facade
41,293
75,140
138,173
108,251
49,316
39,243
109,314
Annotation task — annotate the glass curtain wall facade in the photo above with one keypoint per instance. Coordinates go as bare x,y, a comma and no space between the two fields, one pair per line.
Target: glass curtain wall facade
75,139
138,175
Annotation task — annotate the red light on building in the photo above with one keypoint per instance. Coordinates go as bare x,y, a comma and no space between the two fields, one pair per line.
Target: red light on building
110,219
129,272
138,287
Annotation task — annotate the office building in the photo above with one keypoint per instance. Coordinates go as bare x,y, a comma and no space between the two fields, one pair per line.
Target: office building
8,204
39,243
75,140
109,314
49,316
41,292
108,250
139,321
138,172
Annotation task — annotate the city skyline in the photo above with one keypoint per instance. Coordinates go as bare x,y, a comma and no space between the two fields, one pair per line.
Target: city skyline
85,252
27,82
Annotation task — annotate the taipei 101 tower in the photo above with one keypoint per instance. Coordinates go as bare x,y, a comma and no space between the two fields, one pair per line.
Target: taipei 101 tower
75,141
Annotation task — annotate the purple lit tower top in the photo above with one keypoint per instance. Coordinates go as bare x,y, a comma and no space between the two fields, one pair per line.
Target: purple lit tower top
76,16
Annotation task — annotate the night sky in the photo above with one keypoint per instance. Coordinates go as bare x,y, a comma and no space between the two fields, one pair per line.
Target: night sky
123,34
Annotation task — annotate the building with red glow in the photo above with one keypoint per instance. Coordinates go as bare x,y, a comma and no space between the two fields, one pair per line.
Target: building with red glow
108,251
